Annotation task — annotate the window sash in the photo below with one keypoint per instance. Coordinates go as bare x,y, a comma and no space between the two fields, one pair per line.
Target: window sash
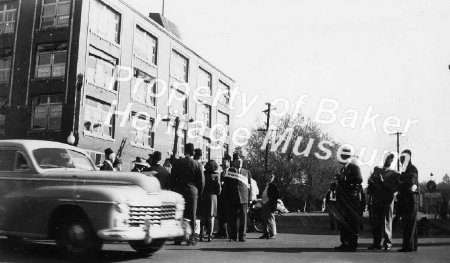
179,66
145,46
52,69
5,69
56,13
47,113
141,136
105,21
101,71
95,113
8,12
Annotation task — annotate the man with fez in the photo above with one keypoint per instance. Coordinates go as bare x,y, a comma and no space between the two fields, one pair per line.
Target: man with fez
189,181
237,191
160,172
348,190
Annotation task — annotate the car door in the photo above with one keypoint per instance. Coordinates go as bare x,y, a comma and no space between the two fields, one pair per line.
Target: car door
15,173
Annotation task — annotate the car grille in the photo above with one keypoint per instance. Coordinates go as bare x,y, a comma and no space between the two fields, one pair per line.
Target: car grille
155,214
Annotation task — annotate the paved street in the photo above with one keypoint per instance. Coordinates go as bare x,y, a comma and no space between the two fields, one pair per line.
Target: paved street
302,238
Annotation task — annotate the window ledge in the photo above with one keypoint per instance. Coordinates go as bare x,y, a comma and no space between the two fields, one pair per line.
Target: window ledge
39,130
141,146
52,28
117,45
151,64
90,134
61,78
8,34
143,103
102,88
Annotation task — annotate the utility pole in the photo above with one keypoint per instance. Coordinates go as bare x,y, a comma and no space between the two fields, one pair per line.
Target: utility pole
267,112
175,139
163,7
398,149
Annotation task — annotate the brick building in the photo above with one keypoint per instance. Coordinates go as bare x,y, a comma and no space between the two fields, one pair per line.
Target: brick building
59,60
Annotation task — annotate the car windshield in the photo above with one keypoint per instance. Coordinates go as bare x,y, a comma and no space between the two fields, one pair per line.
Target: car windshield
49,158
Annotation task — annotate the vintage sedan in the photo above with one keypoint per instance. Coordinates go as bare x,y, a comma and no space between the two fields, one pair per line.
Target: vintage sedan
50,190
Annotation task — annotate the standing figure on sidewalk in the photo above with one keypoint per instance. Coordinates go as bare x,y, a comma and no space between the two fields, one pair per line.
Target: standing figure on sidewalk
189,182
139,165
408,199
223,211
208,203
237,190
348,199
269,206
110,157
382,185
160,171
331,206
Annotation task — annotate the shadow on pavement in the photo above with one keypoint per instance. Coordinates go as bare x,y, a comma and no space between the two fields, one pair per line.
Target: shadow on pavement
48,252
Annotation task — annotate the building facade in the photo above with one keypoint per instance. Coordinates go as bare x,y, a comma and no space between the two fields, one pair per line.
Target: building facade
104,72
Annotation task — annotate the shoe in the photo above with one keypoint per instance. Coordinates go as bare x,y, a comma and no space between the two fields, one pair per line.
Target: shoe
241,239
232,240
387,247
209,239
374,247
405,250
271,237
350,249
263,237
201,239
191,242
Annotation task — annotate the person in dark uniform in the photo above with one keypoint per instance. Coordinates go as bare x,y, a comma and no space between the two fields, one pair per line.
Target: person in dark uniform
108,164
208,202
408,200
237,190
189,181
139,165
382,185
349,182
223,213
161,172
270,197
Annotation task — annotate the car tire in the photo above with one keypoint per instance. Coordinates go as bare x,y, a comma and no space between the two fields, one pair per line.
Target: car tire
147,249
76,238
258,226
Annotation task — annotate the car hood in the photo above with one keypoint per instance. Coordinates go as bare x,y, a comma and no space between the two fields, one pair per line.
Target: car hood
148,182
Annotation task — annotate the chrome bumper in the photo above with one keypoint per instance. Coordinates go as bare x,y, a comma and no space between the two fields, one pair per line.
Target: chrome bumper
167,229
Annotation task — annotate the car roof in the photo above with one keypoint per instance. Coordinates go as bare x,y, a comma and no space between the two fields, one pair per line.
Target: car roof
36,144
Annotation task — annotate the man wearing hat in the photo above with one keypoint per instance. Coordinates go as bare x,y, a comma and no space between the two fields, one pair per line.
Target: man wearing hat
139,165
198,155
189,181
237,190
160,172
110,157
348,190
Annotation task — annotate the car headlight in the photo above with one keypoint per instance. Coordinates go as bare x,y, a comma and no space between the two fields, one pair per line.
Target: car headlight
179,211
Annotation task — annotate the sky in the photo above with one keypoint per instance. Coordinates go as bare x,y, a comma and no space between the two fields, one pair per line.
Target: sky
392,56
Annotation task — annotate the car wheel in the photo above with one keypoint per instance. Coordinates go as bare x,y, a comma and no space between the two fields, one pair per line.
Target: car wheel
76,238
258,226
147,249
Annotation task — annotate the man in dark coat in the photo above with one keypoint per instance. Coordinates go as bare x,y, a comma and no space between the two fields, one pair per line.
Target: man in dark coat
222,209
160,172
270,197
189,181
110,157
139,165
237,190
349,182
408,200
330,205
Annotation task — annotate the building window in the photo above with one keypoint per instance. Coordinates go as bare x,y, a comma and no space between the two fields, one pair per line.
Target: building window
204,80
177,107
55,13
47,111
145,46
179,66
182,135
105,21
51,60
223,119
205,147
224,99
95,114
101,69
142,130
204,114
3,105
5,64
8,12
143,92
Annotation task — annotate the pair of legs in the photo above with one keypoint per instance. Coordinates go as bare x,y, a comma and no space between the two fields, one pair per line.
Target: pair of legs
409,221
209,224
269,224
349,223
190,212
238,213
382,225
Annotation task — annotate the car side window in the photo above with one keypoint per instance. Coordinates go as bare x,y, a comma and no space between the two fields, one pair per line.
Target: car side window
7,160
21,162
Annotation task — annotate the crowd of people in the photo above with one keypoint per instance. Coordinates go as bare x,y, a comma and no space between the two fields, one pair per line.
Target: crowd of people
345,202
209,194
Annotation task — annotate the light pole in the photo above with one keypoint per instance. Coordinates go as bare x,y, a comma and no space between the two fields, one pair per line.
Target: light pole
175,139
267,112
398,149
